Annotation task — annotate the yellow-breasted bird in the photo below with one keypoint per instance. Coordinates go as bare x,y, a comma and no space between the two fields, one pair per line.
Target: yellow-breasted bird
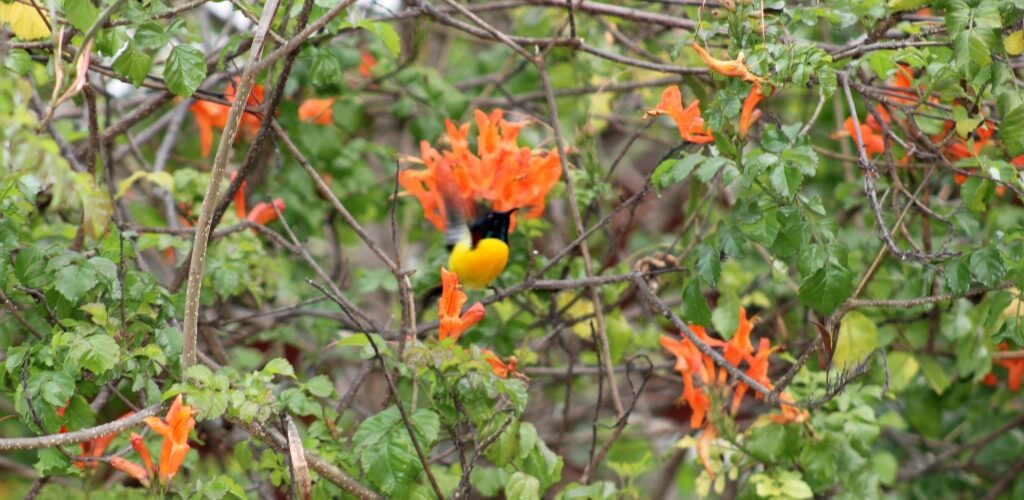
478,251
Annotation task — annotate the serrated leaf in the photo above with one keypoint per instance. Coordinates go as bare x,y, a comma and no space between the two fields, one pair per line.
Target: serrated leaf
522,486
672,170
133,64
958,277
184,70
279,366
81,13
976,192
695,307
709,264
1011,130
987,266
325,69
96,353
74,281
786,181
827,82
826,288
320,386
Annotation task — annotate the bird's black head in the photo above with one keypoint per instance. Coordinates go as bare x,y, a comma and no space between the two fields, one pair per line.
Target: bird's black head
491,225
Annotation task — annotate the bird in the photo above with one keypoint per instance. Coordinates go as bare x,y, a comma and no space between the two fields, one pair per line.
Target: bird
478,250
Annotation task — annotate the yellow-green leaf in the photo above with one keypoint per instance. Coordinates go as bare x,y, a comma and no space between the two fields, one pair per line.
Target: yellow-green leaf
26,22
858,336
162,179
1014,43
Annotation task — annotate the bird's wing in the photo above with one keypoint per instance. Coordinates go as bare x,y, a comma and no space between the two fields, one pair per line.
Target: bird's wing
455,230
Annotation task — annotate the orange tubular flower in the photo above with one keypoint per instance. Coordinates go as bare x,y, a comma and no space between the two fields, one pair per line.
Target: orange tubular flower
240,208
264,213
132,469
140,447
704,447
211,115
318,111
1014,370
174,428
873,143
758,371
688,121
451,322
94,448
750,113
500,368
732,68
366,63
500,174
739,347
789,414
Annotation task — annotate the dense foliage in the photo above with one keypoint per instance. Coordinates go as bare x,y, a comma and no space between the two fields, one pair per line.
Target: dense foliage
762,249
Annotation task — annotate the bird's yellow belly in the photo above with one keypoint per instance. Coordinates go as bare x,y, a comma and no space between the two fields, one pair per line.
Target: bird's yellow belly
477,267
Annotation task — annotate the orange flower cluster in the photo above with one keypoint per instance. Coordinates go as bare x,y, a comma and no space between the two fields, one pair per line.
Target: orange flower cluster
452,321
174,428
262,213
1014,370
871,130
500,174
317,111
210,115
366,63
95,447
689,121
695,366
501,368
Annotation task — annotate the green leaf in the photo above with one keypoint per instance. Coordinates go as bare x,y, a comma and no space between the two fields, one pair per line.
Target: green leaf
185,70
858,337
388,458
133,64
826,288
320,386
96,353
505,448
695,306
765,229
786,181
1011,130
987,266
827,82
976,192
50,461
81,13
709,264
387,34
74,281
522,487
97,210
279,366
325,69
672,170
936,375
56,388
19,61
958,276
